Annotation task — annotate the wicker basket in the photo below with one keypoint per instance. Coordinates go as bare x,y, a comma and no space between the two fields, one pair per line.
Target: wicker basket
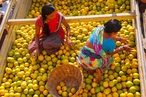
69,74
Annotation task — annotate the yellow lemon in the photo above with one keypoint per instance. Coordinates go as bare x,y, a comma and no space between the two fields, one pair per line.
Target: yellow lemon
99,94
107,91
111,84
92,90
41,88
105,84
45,92
58,88
60,52
94,84
40,57
35,87
62,84
65,61
130,95
115,94
52,55
114,89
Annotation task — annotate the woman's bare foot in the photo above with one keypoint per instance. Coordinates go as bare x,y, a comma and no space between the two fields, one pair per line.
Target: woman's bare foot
81,68
98,75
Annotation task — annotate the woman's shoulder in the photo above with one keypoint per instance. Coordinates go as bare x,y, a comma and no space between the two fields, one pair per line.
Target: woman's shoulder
100,27
39,18
109,43
60,14
109,40
39,21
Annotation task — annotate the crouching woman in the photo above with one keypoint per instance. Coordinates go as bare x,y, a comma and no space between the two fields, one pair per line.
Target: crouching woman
49,34
97,54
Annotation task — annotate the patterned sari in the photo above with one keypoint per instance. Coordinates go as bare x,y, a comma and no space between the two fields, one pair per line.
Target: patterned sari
91,59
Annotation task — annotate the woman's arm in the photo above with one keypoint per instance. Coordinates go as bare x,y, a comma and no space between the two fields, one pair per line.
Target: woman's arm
37,28
36,52
66,26
119,49
64,22
117,38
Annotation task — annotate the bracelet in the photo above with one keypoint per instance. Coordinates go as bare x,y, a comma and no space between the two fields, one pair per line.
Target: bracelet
118,38
122,47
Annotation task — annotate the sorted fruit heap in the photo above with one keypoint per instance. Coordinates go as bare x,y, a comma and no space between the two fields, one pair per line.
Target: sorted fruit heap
82,7
27,76
65,91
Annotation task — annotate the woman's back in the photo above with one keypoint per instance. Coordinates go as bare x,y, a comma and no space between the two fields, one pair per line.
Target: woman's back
108,44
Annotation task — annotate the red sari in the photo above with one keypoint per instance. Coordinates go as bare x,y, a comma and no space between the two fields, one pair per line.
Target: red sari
43,44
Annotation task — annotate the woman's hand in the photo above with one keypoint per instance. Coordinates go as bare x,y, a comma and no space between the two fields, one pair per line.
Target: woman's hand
36,52
124,40
69,42
127,48
121,48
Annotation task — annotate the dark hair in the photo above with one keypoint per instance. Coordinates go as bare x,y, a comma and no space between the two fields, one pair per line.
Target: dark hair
47,9
112,25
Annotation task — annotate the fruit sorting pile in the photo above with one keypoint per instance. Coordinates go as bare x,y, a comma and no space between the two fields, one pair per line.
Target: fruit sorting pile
27,76
82,7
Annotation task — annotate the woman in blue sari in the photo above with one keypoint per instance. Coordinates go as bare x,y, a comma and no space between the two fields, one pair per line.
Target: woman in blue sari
97,53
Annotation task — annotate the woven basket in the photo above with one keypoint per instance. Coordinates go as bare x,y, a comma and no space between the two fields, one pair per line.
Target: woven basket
69,74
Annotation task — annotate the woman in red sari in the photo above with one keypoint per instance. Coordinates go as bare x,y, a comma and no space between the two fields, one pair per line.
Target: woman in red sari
49,22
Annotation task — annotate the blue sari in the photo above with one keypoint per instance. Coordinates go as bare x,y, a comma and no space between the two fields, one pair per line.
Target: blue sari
91,59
